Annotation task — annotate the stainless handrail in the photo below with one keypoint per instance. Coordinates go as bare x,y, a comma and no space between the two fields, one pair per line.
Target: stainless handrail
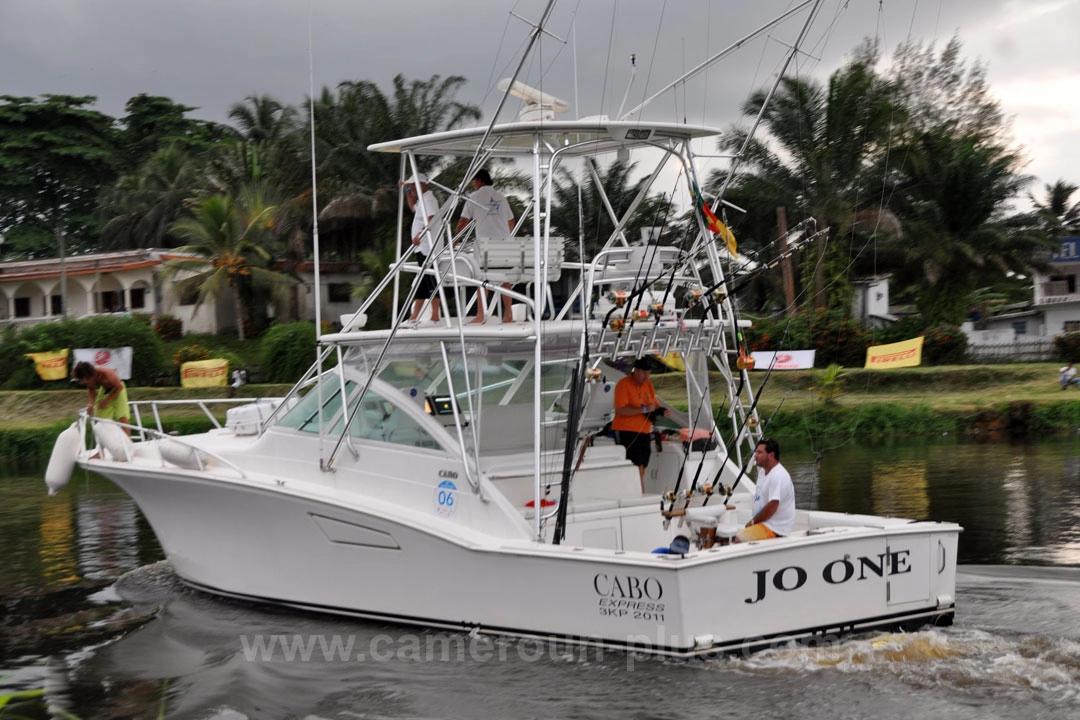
159,435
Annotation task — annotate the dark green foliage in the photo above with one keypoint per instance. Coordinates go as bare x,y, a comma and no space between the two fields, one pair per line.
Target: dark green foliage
97,332
287,352
944,345
1054,417
589,227
29,442
903,329
168,327
836,337
191,353
153,122
1068,347
869,421
56,155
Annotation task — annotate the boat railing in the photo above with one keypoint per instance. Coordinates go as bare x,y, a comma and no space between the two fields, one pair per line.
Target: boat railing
155,407
197,454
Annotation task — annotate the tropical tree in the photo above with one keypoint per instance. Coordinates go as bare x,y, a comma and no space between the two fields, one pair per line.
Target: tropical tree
56,156
957,234
140,209
583,218
153,122
261,118
820,158
361,114
956,177
226,238
1060,216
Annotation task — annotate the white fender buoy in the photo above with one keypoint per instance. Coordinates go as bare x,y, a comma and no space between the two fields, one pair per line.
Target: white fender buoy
115,441
62,460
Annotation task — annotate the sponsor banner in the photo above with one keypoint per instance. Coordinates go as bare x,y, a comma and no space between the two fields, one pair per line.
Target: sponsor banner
204,373
116,359
783,360
52,365
895,355
673,360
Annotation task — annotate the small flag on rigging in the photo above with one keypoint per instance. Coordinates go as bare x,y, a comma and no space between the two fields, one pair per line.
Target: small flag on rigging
713,224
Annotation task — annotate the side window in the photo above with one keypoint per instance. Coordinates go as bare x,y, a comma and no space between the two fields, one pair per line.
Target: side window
305,416
378,419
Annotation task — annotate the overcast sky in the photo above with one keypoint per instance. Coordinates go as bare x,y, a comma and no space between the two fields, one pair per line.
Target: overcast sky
212,53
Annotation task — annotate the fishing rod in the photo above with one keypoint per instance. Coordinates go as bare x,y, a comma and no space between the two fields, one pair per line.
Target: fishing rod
743,471
713,301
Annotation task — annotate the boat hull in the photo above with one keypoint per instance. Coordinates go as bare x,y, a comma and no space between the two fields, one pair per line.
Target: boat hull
270,545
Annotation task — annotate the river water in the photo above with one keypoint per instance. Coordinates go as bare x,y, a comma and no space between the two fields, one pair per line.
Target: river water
95,623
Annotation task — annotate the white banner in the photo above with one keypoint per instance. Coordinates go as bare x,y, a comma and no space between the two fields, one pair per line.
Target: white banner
784,360
117,359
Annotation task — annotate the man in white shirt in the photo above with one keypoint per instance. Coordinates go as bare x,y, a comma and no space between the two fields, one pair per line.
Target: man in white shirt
494,219
774,498
1068,376
425,235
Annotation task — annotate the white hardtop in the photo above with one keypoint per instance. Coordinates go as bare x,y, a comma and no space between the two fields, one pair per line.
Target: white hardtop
575,137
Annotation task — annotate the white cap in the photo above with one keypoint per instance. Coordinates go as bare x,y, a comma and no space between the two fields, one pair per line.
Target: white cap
418,178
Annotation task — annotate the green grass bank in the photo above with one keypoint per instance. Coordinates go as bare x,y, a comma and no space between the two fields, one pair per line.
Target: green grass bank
1021,399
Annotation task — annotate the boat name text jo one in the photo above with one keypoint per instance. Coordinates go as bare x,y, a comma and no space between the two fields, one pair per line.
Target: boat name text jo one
836,572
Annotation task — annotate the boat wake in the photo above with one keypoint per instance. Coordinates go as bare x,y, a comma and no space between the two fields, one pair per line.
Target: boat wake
960,659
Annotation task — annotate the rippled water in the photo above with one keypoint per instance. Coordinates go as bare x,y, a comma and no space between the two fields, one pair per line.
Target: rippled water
92,617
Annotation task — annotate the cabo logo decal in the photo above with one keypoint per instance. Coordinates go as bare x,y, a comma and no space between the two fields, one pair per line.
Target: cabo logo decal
446,498
837,572
629,596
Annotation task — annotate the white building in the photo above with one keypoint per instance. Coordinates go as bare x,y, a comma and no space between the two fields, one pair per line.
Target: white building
871,302
132,281
1057,293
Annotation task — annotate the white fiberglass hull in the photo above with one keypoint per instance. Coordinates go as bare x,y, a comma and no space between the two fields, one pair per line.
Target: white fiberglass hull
272,545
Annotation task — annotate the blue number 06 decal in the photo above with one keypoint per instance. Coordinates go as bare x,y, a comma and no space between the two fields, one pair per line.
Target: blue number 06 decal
446,498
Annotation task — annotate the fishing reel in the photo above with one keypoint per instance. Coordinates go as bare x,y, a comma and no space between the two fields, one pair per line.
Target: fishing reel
618,297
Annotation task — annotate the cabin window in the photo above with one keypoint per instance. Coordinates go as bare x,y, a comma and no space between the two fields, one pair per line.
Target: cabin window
339,292
305,416
385,421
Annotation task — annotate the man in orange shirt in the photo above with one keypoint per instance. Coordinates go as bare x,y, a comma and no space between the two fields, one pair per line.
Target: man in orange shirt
636,407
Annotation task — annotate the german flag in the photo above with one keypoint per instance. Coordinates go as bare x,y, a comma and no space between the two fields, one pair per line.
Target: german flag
713,224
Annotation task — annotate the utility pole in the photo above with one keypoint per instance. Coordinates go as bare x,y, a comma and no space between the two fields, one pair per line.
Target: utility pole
785,262
63,272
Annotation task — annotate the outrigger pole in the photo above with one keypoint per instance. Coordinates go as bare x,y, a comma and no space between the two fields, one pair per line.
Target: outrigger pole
723,53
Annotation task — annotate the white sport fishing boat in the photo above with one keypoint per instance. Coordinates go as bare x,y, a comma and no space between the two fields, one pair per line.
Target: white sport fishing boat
458,475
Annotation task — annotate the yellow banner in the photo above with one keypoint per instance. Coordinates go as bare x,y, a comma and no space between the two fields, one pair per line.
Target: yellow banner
204,373
895,355
50,365
674,361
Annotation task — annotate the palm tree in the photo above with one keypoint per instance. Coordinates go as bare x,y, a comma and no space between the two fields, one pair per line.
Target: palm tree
956,233
361,114
227,240
261,118
141,208
1060,216
587,224
822,161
